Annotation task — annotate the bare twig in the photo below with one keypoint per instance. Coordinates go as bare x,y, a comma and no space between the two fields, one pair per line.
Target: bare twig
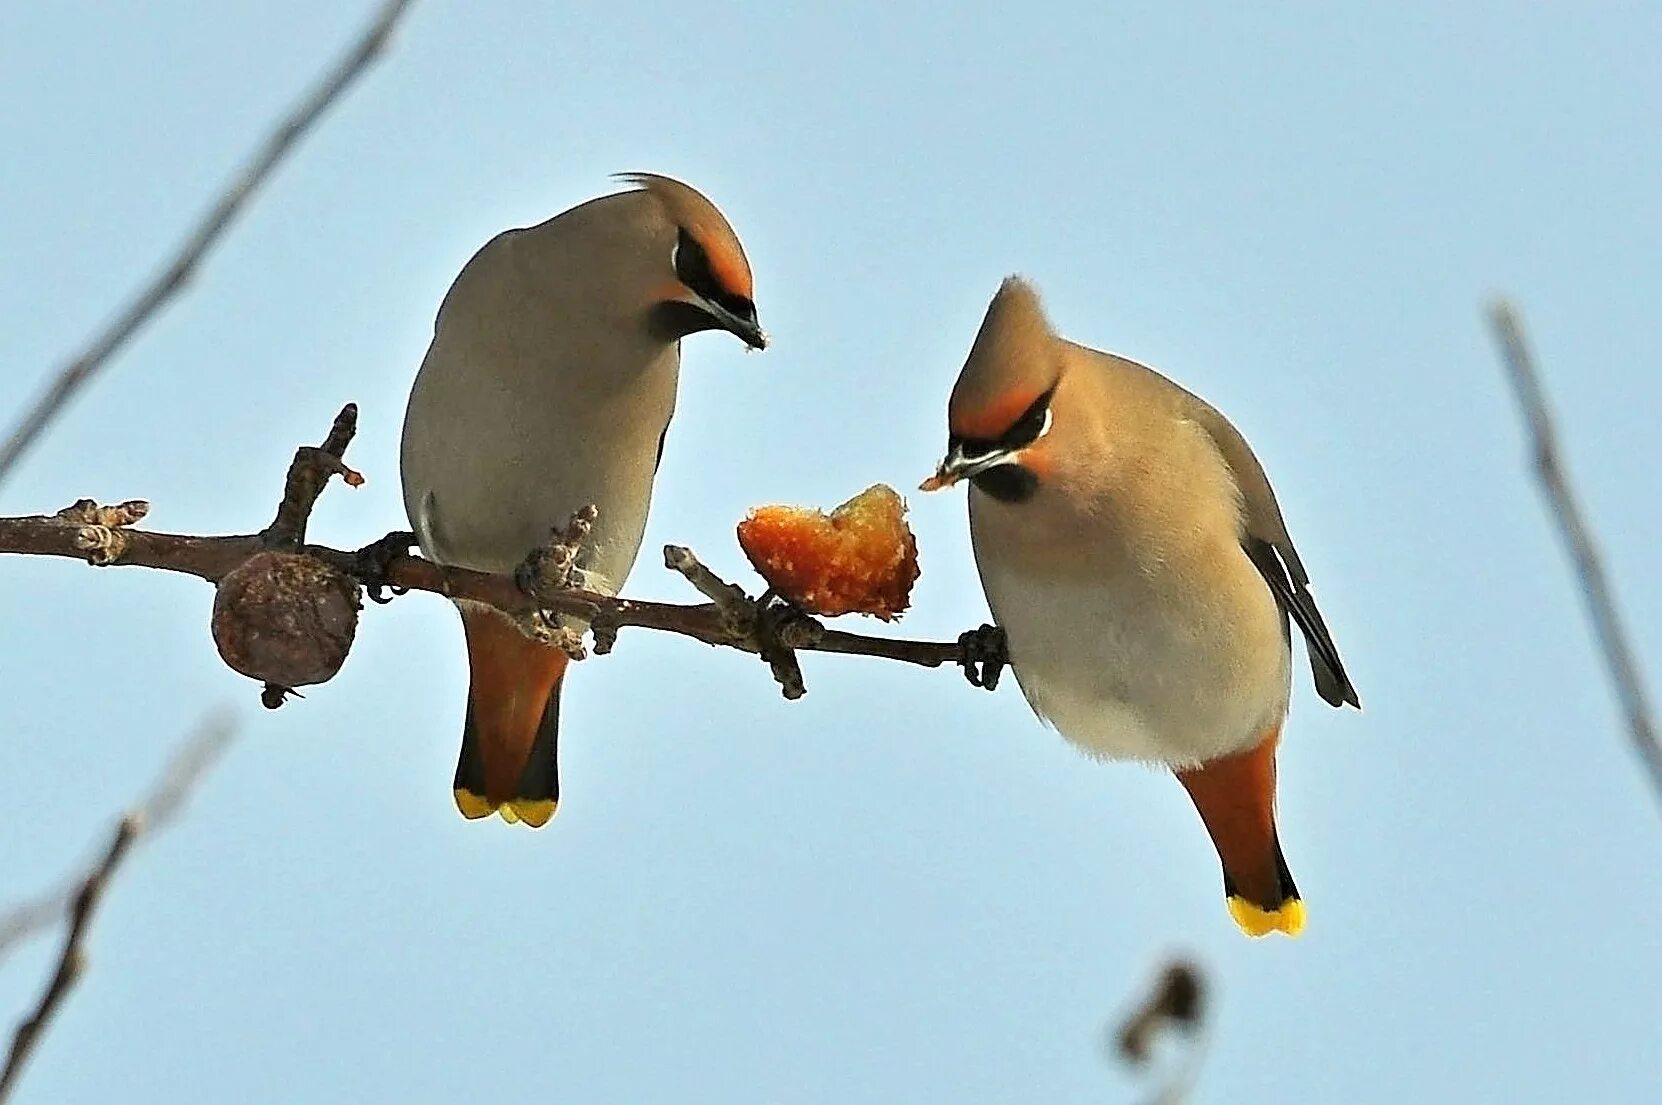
309,473
160,808
752,624
172,279
1578,538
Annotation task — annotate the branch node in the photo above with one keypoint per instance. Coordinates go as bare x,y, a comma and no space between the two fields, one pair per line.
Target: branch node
103,545
798,629
737,609
747,623
770,620
87,512
603,627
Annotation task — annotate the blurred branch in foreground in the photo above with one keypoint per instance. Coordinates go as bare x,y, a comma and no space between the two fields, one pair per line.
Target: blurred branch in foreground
81,900
1578,539
173,277
286,612
1177,1005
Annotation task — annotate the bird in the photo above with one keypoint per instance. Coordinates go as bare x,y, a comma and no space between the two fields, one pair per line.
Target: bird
1133,553
549,384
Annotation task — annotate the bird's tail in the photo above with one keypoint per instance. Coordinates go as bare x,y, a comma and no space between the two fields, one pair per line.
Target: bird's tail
509,763
1236,799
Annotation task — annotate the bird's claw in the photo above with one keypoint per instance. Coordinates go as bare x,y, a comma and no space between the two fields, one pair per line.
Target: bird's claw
552,566
983,654
373,561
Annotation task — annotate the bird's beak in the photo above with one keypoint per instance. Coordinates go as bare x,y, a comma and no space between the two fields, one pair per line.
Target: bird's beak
747,330
956,466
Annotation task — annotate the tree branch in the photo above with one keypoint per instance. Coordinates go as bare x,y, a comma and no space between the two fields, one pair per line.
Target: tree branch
271,581
158,810
172,279
1578,538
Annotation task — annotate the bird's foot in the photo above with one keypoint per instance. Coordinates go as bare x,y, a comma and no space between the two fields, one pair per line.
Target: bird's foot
372,563
544,627
553,564
551,568
983,654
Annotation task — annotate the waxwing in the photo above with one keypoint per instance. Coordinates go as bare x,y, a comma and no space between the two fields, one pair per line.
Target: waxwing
549,384
1134,554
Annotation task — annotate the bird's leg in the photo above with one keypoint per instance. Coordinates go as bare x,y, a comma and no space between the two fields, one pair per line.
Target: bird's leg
370,565
984,654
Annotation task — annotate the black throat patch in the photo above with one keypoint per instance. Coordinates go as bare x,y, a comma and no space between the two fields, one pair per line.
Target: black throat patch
1008,483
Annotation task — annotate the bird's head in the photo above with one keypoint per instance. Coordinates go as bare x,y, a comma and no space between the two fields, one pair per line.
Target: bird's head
1000,413
707,283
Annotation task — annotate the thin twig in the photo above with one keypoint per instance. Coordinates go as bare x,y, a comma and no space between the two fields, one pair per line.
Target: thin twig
308,475
172,279
157,811
1578,538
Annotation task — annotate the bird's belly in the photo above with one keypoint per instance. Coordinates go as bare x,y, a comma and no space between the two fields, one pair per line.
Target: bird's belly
497,471
1124,675
494,530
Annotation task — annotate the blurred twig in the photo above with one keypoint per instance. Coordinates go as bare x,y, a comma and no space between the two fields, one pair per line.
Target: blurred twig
277,146
1578,539
182,774
1177,1004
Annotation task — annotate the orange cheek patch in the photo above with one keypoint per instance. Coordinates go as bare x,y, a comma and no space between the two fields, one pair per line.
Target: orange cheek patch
1037,460
992,421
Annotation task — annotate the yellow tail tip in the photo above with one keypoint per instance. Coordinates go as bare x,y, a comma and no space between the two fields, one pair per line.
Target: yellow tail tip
473,806
535,812
1255,920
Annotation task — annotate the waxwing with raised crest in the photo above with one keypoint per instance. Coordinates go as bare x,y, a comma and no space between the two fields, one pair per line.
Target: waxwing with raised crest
1134,554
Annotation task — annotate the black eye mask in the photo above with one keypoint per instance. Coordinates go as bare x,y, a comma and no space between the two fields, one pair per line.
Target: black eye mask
1022,433
692,268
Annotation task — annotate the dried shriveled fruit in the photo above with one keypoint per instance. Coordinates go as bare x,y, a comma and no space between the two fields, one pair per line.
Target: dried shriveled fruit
285,619
859,559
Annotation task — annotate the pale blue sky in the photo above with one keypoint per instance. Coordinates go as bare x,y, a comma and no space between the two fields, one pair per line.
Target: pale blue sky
897,889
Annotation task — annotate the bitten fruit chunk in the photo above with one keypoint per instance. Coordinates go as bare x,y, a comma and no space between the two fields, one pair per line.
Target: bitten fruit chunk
859,559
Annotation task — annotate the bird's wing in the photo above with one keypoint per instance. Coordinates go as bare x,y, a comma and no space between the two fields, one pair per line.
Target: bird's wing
1270,547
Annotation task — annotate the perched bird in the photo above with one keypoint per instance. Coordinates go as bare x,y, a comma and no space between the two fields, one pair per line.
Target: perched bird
1134,555
549,385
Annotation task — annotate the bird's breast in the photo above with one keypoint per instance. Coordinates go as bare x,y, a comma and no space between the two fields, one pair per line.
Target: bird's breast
1170,660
